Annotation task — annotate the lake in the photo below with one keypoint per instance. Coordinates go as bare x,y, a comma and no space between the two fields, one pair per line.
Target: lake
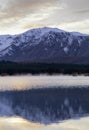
44,102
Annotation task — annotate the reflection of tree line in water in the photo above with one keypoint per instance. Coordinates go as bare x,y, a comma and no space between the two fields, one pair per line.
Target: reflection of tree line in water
7,67
50,103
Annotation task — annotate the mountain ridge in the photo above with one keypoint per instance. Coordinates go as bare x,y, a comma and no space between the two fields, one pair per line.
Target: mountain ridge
45,45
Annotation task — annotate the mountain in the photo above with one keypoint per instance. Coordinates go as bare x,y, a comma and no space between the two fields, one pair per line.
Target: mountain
45,45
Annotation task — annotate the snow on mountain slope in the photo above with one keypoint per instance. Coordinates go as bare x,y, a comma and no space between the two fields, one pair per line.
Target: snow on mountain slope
5,41
42,43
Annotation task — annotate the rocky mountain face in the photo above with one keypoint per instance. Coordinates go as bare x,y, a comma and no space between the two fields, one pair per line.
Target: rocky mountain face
49,45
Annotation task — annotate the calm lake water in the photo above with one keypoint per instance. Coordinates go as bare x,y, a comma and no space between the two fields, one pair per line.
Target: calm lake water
28,82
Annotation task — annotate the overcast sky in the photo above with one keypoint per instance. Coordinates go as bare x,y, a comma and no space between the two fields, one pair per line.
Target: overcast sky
17,16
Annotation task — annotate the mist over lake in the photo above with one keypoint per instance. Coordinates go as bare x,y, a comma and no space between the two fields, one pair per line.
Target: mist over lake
23,82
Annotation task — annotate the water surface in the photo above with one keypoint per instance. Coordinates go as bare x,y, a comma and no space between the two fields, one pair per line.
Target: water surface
59,97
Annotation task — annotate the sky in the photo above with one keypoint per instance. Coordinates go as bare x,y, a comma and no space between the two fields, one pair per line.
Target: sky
18,123
17,16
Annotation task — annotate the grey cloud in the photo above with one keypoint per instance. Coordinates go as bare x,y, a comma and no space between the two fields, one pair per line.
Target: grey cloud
15,10
73,10
20,8
59,12
83,11
76,4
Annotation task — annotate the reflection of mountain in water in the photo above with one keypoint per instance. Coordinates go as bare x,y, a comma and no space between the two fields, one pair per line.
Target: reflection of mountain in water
45,104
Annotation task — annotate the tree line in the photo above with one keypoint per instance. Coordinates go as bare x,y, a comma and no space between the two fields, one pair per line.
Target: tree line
7,67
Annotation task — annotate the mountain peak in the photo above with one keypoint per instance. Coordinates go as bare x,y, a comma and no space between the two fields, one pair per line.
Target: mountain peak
43,30
45,45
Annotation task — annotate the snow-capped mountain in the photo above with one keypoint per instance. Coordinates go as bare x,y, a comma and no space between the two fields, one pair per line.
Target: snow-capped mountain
45,45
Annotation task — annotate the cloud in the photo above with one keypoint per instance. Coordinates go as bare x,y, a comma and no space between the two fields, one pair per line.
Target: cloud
26,14
82,11
72,12
76,4
81,26
15,12
21,8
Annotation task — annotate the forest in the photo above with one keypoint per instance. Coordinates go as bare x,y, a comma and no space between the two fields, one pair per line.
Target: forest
11,68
